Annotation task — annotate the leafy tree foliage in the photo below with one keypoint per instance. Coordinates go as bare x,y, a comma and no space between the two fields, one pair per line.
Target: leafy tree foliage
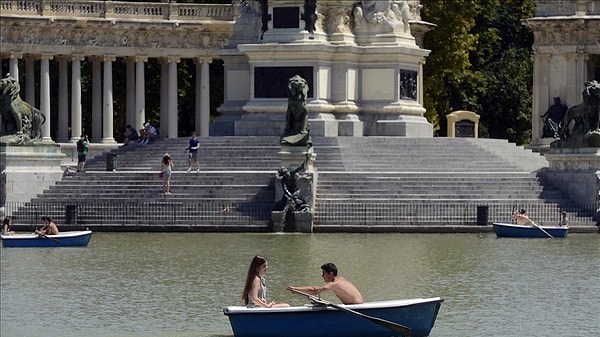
480,61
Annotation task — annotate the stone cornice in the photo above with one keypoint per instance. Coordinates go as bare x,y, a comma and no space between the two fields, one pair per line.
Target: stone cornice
129,35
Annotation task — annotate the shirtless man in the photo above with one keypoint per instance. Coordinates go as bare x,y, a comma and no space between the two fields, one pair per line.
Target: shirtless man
49,227
521,217
342,288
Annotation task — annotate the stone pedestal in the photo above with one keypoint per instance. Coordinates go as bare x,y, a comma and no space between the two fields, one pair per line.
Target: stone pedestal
576,172
296,222
27,171
292,157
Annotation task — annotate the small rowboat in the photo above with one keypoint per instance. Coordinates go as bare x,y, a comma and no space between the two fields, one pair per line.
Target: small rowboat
62,239
318,320
504,230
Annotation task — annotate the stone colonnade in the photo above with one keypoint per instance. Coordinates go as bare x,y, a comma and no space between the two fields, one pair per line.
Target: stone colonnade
101,32
102,94
566,53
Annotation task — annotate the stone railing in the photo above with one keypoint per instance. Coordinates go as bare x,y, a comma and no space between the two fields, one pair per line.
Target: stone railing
546,8
117,9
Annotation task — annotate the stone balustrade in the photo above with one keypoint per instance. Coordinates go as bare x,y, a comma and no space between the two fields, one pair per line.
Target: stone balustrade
113,9
545,8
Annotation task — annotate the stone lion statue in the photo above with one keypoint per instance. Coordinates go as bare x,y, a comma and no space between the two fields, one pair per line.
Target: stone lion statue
580,126
296,130
20,123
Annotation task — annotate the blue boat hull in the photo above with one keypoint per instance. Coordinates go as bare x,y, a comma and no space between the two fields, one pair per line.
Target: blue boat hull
63,239
322,321
516,231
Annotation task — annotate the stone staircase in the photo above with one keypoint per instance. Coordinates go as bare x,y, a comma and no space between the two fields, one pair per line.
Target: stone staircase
370,182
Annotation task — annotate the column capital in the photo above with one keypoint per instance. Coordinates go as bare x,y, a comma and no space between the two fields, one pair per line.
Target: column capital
77,57
199,60
542,57
15,55
46,56
140,58
106,58
171,59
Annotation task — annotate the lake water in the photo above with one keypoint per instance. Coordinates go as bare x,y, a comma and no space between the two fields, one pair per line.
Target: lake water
176,284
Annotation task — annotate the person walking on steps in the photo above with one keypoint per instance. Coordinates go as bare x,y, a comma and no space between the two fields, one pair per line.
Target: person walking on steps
193,147
82,150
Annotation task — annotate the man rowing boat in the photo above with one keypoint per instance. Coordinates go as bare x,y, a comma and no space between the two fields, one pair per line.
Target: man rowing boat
521,217
342,288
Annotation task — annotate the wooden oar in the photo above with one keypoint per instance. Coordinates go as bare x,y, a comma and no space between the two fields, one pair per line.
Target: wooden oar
46,237
390,325
540,228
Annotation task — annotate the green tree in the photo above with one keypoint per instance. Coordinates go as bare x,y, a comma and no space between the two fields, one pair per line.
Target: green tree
480,61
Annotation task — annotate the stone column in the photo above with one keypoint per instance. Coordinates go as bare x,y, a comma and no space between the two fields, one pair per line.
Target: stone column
582,59
140,91
107,112
541,96
76,124
14,65
130,99
203,96
572,81
172,109
45,95
164,97
62,136
30,80
96,98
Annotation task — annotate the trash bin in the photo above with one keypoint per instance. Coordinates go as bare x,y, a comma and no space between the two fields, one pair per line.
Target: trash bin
482,215
71,214
111,161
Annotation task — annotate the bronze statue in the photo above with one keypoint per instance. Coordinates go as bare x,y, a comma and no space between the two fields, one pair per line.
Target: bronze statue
581,124
553,118
310,16
296,130
20,123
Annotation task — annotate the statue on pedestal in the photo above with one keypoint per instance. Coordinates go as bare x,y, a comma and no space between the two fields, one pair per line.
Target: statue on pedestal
581,124
20,123
296,130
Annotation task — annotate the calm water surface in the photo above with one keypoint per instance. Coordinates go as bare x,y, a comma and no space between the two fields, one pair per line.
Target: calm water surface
176,284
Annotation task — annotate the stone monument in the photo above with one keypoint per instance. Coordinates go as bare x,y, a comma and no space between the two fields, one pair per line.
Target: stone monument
27,165
360,59
293,211
574,160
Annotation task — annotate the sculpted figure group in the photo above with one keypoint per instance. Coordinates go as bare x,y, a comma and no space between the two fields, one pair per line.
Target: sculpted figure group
580,126
20,123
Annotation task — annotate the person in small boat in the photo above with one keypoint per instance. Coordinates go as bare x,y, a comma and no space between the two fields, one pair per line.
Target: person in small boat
521,217
49,227
342,288
6,226
255,290
564,222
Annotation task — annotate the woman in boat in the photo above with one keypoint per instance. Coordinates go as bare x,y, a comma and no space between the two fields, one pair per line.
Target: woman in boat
564,222
255,290
521,217
6,226
49,227
166,168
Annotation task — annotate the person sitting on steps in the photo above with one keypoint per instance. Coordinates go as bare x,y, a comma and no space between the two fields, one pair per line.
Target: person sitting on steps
148,133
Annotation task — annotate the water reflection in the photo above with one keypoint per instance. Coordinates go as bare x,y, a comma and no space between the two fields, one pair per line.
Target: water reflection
176,284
